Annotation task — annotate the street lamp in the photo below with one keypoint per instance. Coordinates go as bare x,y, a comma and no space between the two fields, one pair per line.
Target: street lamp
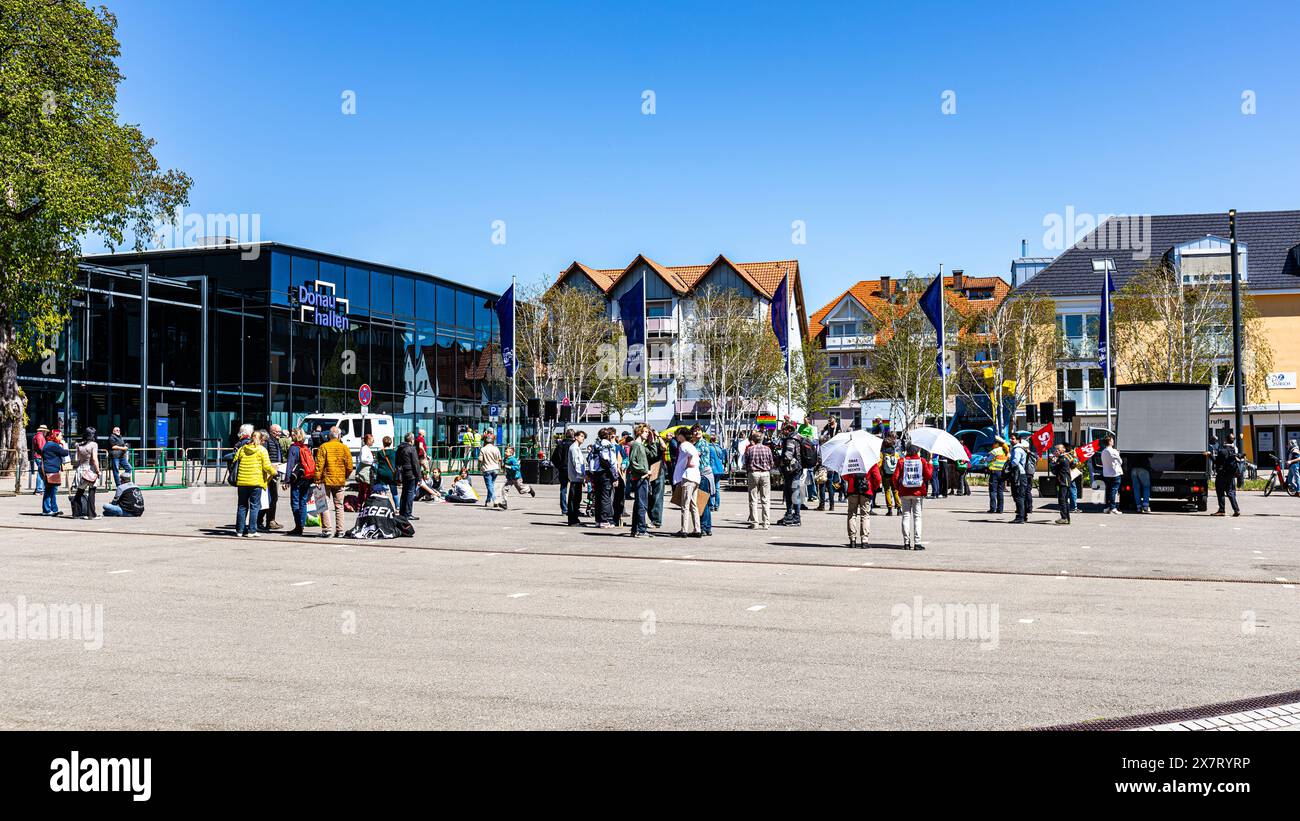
1105,267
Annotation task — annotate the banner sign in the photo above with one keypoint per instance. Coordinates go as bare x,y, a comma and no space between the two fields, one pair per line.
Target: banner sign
320,305
506,322
631,312
1042,439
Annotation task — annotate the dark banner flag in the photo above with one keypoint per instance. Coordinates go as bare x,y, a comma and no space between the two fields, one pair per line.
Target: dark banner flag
631,311
1103,333
506,321
781,318
932,304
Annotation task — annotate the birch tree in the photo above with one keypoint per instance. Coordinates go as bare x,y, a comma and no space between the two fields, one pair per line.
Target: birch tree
1007,350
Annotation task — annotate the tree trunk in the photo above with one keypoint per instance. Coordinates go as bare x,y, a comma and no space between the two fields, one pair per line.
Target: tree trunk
13,412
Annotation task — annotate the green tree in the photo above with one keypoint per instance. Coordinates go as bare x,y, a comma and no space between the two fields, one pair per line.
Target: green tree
811,383
68,169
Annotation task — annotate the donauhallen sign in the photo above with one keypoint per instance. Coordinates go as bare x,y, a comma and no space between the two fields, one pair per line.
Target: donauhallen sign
320,305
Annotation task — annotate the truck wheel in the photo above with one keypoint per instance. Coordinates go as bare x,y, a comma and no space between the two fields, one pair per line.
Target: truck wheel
1203,503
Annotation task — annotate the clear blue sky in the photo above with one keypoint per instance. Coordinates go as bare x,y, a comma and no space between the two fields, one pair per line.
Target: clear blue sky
765,114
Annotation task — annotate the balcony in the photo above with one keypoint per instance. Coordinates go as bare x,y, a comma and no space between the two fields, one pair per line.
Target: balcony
1077,349
661,368
661,325
836,343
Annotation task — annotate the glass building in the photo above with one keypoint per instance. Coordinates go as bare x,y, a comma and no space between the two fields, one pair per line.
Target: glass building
263,334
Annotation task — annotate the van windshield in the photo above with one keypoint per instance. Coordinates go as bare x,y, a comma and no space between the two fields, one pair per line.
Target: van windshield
310,424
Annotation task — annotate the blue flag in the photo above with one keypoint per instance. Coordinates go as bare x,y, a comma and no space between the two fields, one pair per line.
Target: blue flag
506,320
781,318
631,311
1103,331
932,303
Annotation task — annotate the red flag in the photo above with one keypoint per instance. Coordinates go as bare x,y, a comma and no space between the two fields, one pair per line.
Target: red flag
1043,439
1086,452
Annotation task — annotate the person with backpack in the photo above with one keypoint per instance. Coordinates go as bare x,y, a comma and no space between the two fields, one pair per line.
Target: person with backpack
859,488
1227,467
602,469
910,480
791,465
577,467
86,476
127,501
252,469
560,459
1016,474
888,467
299,476
998,456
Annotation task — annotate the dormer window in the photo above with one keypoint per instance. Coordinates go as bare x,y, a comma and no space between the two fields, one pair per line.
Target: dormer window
1208,260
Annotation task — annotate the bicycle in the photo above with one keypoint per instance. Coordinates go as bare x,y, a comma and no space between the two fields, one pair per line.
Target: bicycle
1278,478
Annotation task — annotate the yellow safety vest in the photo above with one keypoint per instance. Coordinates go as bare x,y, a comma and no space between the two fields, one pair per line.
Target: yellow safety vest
999,458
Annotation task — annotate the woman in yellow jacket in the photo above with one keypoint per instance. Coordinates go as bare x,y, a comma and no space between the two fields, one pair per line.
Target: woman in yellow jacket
254,468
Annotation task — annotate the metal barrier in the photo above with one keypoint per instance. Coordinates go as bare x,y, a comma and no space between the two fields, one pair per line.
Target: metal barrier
13,467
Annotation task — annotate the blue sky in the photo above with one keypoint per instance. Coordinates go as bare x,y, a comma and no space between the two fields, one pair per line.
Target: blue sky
764,114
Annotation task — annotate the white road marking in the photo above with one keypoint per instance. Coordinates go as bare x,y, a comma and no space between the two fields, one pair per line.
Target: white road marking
301,584
516,595
756,608
520,549
1280,579
1026,621
114,572
1085,547
854,569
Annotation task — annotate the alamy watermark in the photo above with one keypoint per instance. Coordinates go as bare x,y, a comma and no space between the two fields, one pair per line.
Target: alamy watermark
1098,232
950,621
192,230
22,620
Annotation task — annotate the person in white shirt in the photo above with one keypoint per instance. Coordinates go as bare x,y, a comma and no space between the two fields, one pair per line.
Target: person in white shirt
686,476
366,469
1112,468
577,476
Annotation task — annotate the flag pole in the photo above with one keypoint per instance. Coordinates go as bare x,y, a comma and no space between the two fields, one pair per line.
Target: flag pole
645,355
514,369
789,378
1105,292
943,370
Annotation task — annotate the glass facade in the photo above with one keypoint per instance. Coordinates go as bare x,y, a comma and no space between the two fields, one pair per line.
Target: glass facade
425,346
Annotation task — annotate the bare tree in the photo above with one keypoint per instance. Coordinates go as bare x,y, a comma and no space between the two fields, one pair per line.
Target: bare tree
1167,330
811,370
903,368
566,345
1005,351
732,357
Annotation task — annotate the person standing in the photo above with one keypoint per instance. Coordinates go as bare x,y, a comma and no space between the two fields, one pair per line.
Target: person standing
791,475
757,461
365,469
489,463
408,473
998,456
271,441
707,480
1227,467
1017,473
1293,464
910,480
638,487
119,456
686,480
334,465
859,488
1112,468
52,455
656,453
386,471
888,467
86,476
1061,465
560,459
1139,470
299,475
577,463
38,444
253,469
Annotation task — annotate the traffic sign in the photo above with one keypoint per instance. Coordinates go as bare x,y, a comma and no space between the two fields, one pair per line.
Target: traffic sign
363,394
494,411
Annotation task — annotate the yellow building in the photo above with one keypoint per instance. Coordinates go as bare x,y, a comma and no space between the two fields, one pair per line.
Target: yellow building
1196,247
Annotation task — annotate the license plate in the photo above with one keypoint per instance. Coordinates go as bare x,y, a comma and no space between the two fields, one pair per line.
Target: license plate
1163,489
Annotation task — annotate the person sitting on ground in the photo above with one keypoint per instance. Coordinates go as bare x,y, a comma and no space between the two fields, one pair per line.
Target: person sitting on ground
127,501
429,488
461,491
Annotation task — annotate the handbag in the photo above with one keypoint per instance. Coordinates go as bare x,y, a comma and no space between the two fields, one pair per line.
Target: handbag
54,477
87,475
820,476
679,494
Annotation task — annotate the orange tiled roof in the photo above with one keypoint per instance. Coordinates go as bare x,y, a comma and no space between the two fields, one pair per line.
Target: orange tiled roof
868,294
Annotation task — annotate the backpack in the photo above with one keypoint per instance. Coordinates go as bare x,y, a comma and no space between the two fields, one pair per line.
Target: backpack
913,473
889,464
855,483
306,462
808,455
232,470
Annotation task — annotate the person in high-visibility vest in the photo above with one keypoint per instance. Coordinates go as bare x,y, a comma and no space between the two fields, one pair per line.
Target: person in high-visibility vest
997,462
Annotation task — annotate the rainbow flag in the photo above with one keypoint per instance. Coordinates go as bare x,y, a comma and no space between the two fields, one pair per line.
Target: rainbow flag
767,421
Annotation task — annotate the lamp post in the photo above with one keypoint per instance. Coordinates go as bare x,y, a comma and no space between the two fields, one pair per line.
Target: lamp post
1239,392
1105,267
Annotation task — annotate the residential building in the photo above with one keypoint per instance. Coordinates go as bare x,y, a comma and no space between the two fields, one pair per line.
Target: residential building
848,328
1196,246
670,308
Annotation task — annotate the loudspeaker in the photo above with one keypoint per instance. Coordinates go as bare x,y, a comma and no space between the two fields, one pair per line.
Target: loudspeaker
534,408
551,407
1046,412
566,413
1031,414
1067,410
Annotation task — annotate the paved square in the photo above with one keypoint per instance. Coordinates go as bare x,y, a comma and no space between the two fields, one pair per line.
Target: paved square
490,619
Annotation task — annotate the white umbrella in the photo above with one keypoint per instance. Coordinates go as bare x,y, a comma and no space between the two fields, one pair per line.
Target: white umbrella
939,441
852,452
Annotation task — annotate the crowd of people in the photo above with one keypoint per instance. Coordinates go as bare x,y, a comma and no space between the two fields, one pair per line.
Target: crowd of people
52,459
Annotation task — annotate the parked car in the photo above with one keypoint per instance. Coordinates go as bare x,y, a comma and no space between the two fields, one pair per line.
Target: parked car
352,428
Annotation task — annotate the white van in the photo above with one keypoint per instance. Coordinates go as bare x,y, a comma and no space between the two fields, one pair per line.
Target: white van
352,428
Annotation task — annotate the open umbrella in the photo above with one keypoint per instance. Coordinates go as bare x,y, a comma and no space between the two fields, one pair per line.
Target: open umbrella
938,441
851,452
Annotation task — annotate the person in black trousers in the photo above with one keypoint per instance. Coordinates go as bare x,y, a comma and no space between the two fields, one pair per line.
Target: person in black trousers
1226,468
408,471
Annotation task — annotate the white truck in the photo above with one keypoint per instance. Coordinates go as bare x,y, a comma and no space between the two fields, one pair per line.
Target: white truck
1165,427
